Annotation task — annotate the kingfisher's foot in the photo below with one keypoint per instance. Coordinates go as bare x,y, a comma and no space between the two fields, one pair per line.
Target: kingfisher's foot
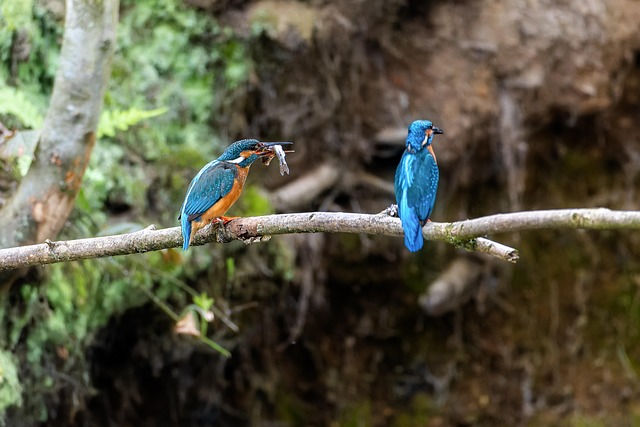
391,210
224,220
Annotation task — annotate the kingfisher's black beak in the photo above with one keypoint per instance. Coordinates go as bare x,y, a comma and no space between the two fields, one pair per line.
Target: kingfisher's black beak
437,130
264,148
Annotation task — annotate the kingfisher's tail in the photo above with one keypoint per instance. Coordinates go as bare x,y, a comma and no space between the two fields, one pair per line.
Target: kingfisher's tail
186,231
412,232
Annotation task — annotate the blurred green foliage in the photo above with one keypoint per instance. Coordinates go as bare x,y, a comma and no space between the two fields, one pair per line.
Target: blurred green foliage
14,102
16,14
10,387
112,121
172,73
57,321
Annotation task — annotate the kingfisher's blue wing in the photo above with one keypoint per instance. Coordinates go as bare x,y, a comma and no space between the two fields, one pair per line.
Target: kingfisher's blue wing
213,182
416,185
422,193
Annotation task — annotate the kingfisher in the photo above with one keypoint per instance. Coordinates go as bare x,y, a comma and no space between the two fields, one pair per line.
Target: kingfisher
218,185
416,182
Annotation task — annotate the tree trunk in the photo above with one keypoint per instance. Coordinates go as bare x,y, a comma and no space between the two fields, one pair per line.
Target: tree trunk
45,197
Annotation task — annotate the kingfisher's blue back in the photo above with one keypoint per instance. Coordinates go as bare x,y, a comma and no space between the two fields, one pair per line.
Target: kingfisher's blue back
416,182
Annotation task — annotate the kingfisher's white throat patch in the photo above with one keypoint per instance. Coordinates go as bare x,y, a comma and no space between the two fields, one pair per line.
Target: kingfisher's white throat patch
243,156
426,138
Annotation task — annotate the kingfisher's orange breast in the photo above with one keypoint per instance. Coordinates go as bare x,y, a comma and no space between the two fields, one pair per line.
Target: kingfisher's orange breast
223,205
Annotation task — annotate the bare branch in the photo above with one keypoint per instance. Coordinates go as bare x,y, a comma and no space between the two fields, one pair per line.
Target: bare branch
595,219
461,234
247,229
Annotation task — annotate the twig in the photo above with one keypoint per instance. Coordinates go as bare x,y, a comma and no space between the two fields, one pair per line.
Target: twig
462,234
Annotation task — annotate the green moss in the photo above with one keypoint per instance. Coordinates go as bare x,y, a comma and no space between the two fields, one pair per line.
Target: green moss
467,244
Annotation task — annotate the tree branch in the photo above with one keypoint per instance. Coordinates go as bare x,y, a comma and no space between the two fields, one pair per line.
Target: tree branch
462,234
594,219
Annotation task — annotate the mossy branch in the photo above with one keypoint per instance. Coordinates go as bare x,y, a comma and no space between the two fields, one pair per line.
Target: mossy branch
463,234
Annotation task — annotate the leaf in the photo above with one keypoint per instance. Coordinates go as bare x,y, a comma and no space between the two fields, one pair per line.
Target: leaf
112,121
203,301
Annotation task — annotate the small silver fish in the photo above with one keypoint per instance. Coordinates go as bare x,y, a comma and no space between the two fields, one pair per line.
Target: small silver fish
284,167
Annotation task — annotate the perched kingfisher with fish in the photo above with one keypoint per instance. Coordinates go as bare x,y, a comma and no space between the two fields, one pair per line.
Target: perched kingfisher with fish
416,182
219,184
